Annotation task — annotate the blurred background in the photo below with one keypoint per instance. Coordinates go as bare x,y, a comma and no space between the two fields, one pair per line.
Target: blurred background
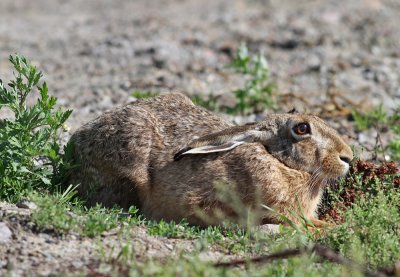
328,57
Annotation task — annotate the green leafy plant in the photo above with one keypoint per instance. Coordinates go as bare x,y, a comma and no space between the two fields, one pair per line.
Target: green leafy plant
29,148
258,91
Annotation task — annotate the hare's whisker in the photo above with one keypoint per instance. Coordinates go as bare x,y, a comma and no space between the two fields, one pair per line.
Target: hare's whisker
314,180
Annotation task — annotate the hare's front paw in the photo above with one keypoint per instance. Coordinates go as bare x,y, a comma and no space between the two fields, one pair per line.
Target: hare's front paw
318,223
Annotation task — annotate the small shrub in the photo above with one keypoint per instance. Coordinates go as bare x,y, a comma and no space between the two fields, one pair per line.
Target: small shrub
258,91
29,148
256,95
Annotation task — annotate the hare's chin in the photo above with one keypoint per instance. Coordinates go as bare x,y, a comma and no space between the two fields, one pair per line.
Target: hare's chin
343,173
346,168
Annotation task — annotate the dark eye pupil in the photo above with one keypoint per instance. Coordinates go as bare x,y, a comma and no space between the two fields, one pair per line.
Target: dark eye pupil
302,129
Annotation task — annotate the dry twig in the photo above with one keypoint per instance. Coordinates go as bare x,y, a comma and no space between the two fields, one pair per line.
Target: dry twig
321,251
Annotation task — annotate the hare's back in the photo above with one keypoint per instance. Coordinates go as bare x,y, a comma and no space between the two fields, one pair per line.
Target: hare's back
179,120
124,138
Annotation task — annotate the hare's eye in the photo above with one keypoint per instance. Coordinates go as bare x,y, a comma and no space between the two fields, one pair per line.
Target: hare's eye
302,129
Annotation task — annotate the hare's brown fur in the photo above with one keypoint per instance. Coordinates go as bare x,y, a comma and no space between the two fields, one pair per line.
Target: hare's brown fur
126,155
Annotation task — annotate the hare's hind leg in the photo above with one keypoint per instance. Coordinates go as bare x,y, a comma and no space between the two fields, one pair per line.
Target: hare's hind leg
117,193
100,187
113,155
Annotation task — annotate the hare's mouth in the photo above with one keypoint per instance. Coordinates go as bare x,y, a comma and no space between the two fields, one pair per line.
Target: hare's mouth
335,168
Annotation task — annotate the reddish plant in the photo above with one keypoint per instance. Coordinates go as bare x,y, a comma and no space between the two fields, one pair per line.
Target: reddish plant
369,172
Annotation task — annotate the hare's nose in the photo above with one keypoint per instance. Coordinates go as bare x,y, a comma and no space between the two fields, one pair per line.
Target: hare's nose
345,159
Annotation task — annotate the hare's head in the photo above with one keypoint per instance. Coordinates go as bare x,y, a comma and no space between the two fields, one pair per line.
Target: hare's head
307,143
302,142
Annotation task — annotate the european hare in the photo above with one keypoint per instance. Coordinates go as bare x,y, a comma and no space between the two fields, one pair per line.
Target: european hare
165,155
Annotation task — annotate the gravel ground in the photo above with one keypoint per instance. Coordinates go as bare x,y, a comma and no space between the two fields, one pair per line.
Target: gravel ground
327,57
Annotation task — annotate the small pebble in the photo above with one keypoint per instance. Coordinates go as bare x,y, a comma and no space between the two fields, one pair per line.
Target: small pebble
26,204
269,228
5,233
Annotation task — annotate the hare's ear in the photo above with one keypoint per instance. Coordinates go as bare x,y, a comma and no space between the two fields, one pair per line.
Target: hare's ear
221,141
207,149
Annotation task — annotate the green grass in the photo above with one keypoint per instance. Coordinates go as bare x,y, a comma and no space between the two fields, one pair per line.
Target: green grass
195,264
54,214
